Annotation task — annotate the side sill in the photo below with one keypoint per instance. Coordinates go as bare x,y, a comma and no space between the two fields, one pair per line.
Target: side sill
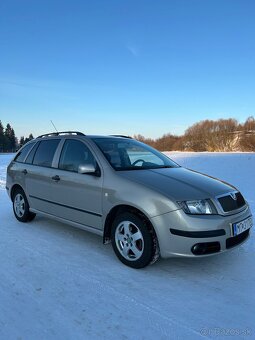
69,222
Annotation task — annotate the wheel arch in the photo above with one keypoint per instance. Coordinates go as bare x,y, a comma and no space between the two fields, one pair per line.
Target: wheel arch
117,210
14,188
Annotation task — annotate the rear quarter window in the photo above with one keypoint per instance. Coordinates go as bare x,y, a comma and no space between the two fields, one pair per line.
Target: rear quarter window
22,154
30,157
45,152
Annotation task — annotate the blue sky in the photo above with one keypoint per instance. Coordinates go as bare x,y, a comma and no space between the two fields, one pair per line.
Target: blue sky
125,66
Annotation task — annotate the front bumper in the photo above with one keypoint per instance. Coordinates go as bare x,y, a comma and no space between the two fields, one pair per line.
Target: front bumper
196,229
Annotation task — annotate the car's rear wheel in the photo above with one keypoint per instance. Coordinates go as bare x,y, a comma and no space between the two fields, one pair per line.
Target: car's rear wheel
132,240
21,207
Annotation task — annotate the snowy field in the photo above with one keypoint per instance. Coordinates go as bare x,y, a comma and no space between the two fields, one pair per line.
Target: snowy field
58,282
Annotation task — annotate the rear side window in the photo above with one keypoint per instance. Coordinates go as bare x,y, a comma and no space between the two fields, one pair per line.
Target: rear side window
45,152
23,153
30,157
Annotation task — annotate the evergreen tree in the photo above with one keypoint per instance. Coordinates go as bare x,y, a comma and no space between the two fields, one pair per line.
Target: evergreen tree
10,143
1,137
7,138
29,138
13,145
21,141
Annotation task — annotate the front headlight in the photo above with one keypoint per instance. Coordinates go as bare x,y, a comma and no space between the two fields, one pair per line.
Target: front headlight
198,207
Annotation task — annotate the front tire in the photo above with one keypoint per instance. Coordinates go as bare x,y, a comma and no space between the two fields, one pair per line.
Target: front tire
132,240
21,207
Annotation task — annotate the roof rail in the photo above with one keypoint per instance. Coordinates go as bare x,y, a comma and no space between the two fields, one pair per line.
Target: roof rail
123,136
62,133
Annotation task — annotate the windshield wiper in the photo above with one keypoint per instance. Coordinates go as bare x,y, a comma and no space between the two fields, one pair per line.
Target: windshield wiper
145,168
165,167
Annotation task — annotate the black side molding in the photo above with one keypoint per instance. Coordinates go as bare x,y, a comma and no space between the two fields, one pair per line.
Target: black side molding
198,234
66,206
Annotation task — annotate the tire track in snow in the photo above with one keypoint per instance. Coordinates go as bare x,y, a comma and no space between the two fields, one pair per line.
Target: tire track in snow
151,310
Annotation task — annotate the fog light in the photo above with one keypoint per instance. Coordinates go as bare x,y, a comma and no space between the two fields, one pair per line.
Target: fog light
205,248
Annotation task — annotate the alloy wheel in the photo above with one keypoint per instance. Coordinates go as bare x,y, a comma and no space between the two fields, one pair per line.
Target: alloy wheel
129,240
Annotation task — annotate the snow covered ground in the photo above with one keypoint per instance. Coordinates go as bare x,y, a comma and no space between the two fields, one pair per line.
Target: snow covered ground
58,282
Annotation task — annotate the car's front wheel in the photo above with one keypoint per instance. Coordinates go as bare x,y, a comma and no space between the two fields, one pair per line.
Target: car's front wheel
132,240
21,207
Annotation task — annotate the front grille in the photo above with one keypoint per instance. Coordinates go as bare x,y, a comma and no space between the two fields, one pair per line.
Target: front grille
234,241
228,203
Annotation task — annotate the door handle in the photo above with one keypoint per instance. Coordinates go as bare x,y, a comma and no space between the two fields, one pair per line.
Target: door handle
56,178
24,171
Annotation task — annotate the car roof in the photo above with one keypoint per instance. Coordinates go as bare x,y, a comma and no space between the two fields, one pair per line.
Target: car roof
65,134
108,136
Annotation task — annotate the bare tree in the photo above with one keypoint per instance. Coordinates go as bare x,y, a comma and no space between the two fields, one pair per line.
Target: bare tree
247,142
209,135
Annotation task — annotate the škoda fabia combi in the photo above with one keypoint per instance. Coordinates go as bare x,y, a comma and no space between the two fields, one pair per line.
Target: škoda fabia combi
135,197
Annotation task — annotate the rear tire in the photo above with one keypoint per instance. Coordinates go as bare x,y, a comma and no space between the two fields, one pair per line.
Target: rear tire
21,207
132,240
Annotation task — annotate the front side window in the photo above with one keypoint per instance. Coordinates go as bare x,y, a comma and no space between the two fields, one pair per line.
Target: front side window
129,154
23,153
75,153
45,152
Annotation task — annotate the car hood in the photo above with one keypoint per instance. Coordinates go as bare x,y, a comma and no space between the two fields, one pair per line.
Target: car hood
179,183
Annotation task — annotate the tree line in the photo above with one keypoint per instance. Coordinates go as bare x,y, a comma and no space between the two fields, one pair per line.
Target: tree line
206,135
222,135
8,140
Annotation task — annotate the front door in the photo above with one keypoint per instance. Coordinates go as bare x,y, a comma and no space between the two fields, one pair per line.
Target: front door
77,197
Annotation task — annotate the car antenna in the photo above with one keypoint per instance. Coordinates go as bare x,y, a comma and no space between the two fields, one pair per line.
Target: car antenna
54,125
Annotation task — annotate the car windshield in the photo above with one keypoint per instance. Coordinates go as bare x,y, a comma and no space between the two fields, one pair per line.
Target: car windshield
129,154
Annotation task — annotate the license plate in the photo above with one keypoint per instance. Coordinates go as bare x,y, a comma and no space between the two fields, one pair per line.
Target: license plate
241,226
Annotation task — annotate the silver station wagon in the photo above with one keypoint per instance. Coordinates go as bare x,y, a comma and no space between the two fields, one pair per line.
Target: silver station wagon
135,197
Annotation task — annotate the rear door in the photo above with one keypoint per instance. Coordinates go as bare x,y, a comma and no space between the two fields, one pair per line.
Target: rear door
39,167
